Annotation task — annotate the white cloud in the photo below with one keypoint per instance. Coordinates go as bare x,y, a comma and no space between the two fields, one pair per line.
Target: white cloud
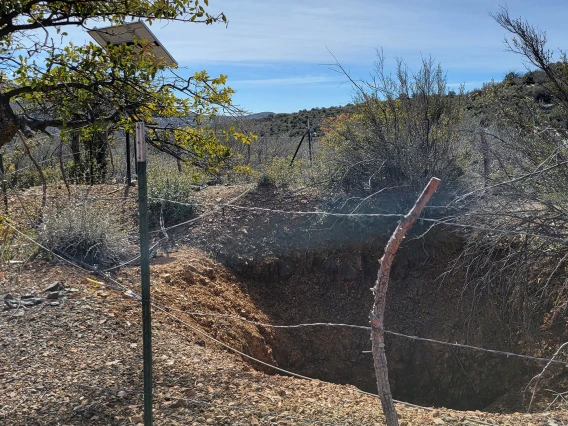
457,33
272,47
300,31
287,81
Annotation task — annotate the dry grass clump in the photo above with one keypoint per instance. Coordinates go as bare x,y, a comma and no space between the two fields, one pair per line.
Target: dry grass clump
87,232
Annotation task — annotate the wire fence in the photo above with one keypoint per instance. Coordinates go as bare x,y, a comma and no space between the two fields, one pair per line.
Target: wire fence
216,207
84,271
363,327
442,221
116,284
33,167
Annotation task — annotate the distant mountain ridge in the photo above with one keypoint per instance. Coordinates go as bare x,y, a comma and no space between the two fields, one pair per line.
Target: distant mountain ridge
259,115
295,124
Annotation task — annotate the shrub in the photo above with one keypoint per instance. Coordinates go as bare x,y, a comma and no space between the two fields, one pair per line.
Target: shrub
512,77
278,172
13,245
266,182
173,186
86,232
541,95
528,78
403,131
29,176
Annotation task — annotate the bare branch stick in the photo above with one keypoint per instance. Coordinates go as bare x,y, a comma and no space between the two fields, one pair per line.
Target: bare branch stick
379,305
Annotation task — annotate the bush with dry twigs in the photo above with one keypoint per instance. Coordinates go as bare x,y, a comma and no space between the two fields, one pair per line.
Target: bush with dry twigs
85,232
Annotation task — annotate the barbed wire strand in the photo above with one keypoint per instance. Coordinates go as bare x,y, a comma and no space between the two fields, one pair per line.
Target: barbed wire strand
160,308
202,333
514,180
219,206
197,330
75,197
396,215
164,308
49,160
134,259
295,374
203,214
496,230
297,213
164,231
137,298
363,327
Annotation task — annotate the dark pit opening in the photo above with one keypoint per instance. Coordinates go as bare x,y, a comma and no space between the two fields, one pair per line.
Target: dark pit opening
333,286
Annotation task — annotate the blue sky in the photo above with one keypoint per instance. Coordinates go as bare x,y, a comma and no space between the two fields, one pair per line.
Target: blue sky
275,51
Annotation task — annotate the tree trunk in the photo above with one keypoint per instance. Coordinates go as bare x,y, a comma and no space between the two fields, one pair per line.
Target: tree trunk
62,167
110,156
38,168
379,305
78,169
101,156
4,186
8,122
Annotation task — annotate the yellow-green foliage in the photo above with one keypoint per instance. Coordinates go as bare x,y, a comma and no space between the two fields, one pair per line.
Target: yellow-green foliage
89,86
279,172
28,177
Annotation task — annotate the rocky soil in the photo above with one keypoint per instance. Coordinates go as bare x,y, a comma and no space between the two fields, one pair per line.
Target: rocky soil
70,345
76,358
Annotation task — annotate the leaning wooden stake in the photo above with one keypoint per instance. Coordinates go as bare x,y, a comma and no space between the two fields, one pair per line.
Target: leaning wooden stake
380,293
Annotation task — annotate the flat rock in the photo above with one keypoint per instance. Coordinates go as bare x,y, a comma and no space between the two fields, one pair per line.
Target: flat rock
12,303
54,295
54,286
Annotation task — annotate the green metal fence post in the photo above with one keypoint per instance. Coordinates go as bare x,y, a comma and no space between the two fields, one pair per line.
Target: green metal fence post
128,172
4,190
145,271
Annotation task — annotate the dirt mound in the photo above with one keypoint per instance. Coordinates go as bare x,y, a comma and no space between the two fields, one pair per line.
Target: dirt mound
189,281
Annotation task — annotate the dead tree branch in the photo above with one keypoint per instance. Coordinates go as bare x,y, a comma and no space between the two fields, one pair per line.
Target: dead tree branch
379,305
